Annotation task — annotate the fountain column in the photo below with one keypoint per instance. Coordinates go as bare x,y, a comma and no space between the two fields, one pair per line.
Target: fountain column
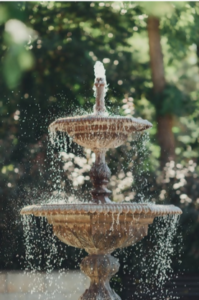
100,269
100,175
100,172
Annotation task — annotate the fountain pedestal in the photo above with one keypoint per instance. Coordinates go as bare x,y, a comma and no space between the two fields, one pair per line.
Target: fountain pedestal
100,269
100,175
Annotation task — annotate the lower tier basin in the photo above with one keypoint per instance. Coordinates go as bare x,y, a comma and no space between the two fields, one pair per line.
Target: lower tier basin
100,229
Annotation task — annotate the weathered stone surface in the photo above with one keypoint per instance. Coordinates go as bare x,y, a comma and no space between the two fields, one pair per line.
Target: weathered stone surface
100,175
100,269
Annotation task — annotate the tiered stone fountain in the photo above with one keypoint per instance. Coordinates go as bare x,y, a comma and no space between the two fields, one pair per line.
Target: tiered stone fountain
102,226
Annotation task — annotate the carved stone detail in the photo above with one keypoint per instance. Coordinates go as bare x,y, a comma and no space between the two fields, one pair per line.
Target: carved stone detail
100,175
99,233
100,269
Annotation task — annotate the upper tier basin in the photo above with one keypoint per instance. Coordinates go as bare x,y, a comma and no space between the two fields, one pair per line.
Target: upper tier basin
100,229
95,131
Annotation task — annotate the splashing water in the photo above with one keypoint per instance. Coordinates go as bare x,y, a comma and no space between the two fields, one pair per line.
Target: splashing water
99,70
44,253
140,168
150,261
159,260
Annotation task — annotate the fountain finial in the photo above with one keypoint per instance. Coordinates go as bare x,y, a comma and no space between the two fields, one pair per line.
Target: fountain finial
100,88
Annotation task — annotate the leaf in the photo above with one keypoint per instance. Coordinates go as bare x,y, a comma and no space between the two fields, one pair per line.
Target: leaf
26,60
3,14
16,61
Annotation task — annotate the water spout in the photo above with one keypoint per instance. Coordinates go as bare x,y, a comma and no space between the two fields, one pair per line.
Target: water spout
100,88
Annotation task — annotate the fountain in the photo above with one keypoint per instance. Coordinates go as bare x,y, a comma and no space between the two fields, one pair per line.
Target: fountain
100,226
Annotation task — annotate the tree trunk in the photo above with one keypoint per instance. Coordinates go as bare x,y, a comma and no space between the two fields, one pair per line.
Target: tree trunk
164,122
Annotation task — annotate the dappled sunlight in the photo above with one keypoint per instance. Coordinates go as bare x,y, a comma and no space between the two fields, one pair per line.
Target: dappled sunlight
19,32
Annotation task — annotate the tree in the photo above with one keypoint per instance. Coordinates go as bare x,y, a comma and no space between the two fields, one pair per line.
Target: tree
165,121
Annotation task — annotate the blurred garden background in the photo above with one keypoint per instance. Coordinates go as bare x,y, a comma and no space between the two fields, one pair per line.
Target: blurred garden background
150,51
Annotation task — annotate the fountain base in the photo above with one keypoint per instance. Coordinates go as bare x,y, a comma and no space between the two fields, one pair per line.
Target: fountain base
100,268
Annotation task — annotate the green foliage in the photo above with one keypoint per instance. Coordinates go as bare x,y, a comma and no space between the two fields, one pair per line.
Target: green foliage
157,7
171,101
182,24
17,60
17,57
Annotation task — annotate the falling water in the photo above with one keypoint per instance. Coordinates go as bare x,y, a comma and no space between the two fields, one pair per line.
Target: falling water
150,261
43,252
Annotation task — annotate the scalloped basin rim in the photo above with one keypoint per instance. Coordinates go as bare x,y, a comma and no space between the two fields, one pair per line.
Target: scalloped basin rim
86,208
100,119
